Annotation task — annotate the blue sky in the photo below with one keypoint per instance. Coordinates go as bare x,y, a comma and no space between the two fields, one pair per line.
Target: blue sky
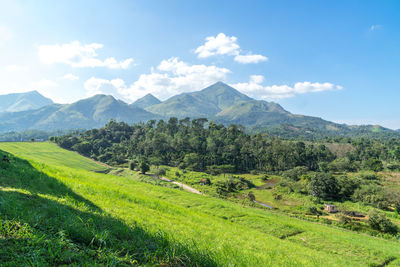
339,60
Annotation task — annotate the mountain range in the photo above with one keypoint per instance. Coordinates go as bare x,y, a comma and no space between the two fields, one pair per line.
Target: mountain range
23,101
219,102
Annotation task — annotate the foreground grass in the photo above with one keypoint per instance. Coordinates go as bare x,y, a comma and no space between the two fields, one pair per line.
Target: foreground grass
57,212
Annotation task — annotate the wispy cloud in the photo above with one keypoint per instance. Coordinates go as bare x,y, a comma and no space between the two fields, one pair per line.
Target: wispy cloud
227,45
76,54
5,34
256,89
15,68
70,77
375,27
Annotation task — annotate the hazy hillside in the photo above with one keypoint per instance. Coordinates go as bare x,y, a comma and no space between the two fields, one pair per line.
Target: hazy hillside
146,101
204,103
87,113
23,101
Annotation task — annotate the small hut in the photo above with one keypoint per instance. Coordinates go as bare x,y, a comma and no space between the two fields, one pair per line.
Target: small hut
330,208
205,182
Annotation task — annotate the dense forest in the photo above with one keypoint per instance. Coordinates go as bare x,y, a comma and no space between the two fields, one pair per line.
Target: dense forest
201,145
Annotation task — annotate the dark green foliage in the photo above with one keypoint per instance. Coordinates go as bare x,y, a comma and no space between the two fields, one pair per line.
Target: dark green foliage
196,146
295,173
341,165
378,221
371,194
132,165
372,164
250,196
159,171
313,210
347,186
144,166
324,185
233,184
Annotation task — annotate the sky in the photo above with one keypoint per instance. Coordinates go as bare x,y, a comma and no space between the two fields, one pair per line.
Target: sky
339,60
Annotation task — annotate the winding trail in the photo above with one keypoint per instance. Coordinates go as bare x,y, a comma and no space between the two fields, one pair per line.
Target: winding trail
262,204
185,187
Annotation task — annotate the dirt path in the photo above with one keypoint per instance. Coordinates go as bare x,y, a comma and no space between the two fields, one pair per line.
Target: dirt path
186,187
262,204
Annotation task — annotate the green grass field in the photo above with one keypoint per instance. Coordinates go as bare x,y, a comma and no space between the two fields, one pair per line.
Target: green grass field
55,210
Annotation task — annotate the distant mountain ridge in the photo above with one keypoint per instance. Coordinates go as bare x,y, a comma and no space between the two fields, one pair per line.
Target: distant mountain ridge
219,102
83,114
146,101
204,103
23,101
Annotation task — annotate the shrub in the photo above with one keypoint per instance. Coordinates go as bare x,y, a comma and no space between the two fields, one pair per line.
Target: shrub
295,173
160,171
379,222
371,194
144,166
312,210
132,165
372,165
341,165
250,196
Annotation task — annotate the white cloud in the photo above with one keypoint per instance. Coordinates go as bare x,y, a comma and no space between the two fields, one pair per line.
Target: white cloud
246,59
226,45
375,27
76,54
43,84
15,68
255,88
48,88
70,77
95,86
171,77
218,45
5,34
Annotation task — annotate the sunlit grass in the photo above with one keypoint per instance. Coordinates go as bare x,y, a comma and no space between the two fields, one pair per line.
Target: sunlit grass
55,212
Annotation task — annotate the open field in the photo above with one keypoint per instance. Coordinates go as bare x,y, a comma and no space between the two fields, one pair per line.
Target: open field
55,210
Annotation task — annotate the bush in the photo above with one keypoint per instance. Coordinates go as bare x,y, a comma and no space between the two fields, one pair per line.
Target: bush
144,167
132,165
250,196
324,185
379,222
313,210
295,173
372,165
371,194
347,186
160,171
341,165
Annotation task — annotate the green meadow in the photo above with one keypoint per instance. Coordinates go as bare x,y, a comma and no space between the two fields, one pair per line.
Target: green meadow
56,210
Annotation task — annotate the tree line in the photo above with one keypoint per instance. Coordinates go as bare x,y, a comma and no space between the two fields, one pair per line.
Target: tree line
203,145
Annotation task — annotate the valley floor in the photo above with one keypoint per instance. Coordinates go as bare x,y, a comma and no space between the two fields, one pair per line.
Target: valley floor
55,209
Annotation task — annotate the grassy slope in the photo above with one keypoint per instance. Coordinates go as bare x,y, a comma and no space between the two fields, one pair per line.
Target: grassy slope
52,209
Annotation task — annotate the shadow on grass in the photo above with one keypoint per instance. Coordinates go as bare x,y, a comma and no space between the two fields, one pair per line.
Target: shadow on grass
60,233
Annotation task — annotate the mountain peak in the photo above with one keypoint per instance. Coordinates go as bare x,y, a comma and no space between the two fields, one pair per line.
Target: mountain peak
146,101
23,101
